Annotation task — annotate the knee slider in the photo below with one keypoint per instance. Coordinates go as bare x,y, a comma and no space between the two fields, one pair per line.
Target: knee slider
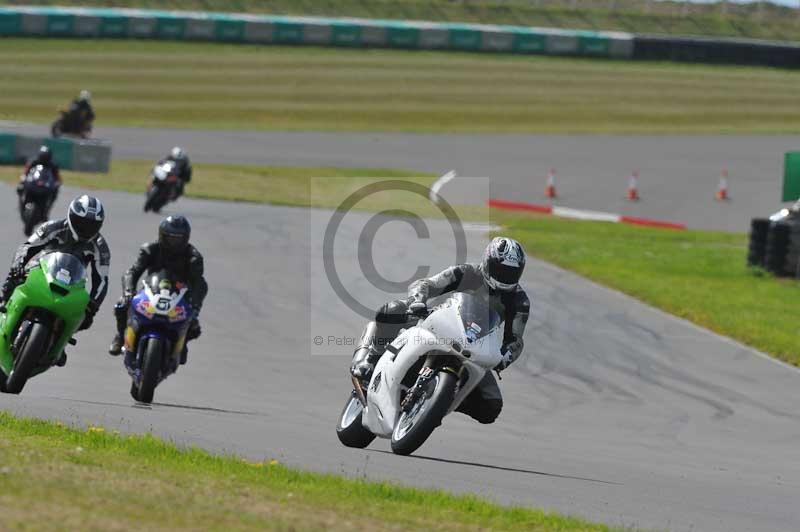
488,411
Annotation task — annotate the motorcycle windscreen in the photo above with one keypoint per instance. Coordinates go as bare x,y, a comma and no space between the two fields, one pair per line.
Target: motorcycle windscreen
163,280
64,268
477,317
39,180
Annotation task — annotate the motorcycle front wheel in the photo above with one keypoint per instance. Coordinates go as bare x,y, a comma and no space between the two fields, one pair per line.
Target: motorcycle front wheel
28,357
152,360
153,201
349,429
421,418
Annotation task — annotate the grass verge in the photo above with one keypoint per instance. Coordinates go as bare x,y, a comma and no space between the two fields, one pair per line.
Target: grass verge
697,275
276,185
59,478
766,21
220,86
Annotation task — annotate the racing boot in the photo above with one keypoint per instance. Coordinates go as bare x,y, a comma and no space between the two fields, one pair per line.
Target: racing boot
193,333
62,360
366,354
121,315
115,349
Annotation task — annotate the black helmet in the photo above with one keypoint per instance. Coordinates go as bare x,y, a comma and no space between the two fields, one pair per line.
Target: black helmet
45,155
85,217
173,234
503,264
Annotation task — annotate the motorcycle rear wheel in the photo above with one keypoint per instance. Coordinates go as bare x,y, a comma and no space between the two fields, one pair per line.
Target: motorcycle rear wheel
414,426
349,428
151,368
28,358
57,129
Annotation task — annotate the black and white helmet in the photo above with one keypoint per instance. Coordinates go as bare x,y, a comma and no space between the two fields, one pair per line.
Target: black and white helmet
177,154
85,217
45,155
503,264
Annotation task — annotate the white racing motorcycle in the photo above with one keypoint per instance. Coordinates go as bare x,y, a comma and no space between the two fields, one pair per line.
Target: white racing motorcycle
425,374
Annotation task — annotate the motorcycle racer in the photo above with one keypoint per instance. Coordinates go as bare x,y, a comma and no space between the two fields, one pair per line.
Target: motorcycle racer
172,252
184,166
44,157
78,234
496,279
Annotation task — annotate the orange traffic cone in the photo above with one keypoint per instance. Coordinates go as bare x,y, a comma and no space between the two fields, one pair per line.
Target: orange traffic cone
722,189
633,186
550,189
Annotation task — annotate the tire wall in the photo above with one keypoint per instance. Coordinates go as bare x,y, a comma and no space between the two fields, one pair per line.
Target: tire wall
780,244
721,50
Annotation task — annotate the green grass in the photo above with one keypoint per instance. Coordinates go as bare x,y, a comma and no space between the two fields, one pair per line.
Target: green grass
749,20
697,275
277,185
57,478
203,85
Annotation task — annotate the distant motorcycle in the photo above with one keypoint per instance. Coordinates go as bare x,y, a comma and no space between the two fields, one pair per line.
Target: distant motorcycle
39,189
71,123
425,374
41,317
158,320
164,186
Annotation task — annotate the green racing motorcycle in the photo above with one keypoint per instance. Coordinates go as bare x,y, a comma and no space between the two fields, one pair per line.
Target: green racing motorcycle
40,318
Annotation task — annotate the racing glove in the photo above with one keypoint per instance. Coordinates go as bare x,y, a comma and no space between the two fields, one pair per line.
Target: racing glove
508,351
88,319
417,305
194,330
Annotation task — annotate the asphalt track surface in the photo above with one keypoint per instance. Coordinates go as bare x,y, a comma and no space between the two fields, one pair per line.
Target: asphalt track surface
679,174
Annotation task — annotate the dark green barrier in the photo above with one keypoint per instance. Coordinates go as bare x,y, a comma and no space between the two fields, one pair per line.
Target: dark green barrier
527,43
113,26
791,176
10,23
287,33
60,25
8,148
175,25
465,39
62,151
402,37
169,27
346,35
80,155
230,30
